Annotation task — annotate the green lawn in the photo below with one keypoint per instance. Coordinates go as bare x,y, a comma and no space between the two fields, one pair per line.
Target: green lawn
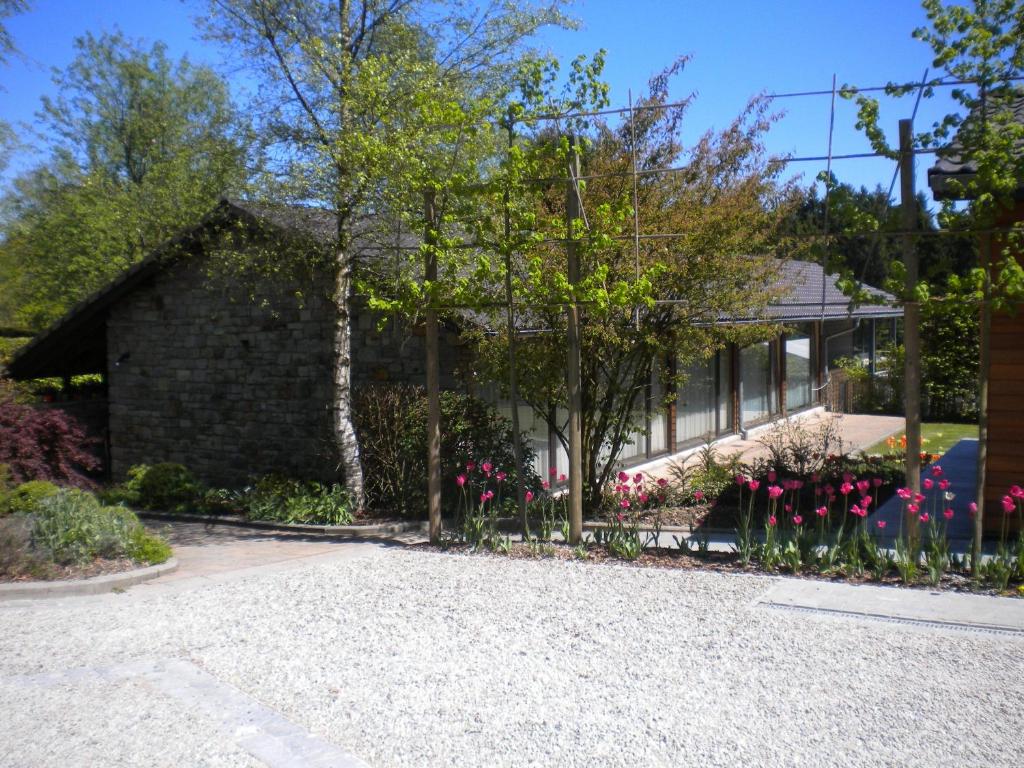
937,438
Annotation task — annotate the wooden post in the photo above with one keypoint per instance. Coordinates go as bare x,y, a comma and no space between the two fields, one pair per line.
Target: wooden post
433,384
513,380
911,314
984,358
572,214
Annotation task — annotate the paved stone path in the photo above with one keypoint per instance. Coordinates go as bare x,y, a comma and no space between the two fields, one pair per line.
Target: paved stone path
857,431
221,552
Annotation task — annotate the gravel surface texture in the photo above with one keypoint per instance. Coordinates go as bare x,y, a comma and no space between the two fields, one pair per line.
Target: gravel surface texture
423,659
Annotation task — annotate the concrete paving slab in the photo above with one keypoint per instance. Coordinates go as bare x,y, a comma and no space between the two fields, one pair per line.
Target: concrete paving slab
956,610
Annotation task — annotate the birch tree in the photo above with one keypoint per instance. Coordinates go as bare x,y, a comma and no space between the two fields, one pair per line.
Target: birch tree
342,89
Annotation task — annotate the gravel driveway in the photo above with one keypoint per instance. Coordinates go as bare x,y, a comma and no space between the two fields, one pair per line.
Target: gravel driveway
410,658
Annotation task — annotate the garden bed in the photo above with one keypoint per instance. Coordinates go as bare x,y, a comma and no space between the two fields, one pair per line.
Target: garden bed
718,562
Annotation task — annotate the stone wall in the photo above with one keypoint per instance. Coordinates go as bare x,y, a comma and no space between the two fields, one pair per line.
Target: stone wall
201,375
227,386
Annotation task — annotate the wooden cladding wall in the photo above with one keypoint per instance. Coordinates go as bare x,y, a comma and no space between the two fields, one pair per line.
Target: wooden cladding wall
1005,465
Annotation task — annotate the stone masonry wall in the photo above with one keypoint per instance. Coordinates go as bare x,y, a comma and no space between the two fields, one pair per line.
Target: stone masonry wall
233,389
228,387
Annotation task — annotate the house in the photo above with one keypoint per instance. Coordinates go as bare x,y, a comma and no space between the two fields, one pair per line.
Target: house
230,374
742,388
949,179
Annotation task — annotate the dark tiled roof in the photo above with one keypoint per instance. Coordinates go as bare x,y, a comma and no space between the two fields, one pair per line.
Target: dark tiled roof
951,166
802,283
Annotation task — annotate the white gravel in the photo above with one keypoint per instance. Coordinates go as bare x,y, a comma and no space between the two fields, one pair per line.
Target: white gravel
419,659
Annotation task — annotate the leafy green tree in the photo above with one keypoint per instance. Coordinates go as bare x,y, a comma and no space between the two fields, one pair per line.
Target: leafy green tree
359,100
140,147
642,304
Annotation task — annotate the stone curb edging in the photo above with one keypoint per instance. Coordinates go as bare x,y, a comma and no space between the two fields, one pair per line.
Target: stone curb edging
95,585
322,530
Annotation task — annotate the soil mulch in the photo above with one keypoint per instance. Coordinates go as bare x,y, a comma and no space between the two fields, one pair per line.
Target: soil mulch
717,562
52,572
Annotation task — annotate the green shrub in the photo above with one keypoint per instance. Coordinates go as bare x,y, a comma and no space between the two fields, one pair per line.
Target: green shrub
165,487
73,528
391,420
285,500
17,558
144,547
25,498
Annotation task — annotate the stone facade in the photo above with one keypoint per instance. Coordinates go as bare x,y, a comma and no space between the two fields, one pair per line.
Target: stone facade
202,375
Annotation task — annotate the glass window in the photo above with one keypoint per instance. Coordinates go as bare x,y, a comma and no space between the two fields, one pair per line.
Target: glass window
798,370
696,403
657,440
757,399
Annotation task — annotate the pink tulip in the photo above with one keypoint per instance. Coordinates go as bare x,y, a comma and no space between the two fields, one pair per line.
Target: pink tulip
877,482
529,496
797,520
698,495
772,476
774,491
643,498
787,507
948,514
1008,505
662,482
490,495
845,488
772,520
470,466
619,516
487,466
500,476
972,509
740,479
798,484
623,477
881,524
552,472
754,485
483,498
927,483
561,478
912,508
821,511
944,484
855,510
460,480
1017,492
918,497
862,486
936,470
832,499
866,502
638,478
847,477
661,497
624,503
924,517
545,484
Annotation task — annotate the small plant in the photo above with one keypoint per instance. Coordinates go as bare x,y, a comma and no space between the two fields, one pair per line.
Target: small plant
286,500
25,498
73,528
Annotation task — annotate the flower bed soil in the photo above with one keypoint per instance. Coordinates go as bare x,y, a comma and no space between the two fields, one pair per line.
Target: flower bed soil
52,572
720,562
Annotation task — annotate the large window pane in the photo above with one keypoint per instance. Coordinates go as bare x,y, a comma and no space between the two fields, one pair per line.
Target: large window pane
798,370
657,440
756,399
695,405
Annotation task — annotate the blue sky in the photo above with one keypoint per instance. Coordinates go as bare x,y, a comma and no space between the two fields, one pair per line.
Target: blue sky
739,49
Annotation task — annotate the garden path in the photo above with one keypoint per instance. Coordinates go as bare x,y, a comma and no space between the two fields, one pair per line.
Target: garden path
858,431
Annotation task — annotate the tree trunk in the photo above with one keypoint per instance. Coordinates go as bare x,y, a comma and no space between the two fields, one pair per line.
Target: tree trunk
345,442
